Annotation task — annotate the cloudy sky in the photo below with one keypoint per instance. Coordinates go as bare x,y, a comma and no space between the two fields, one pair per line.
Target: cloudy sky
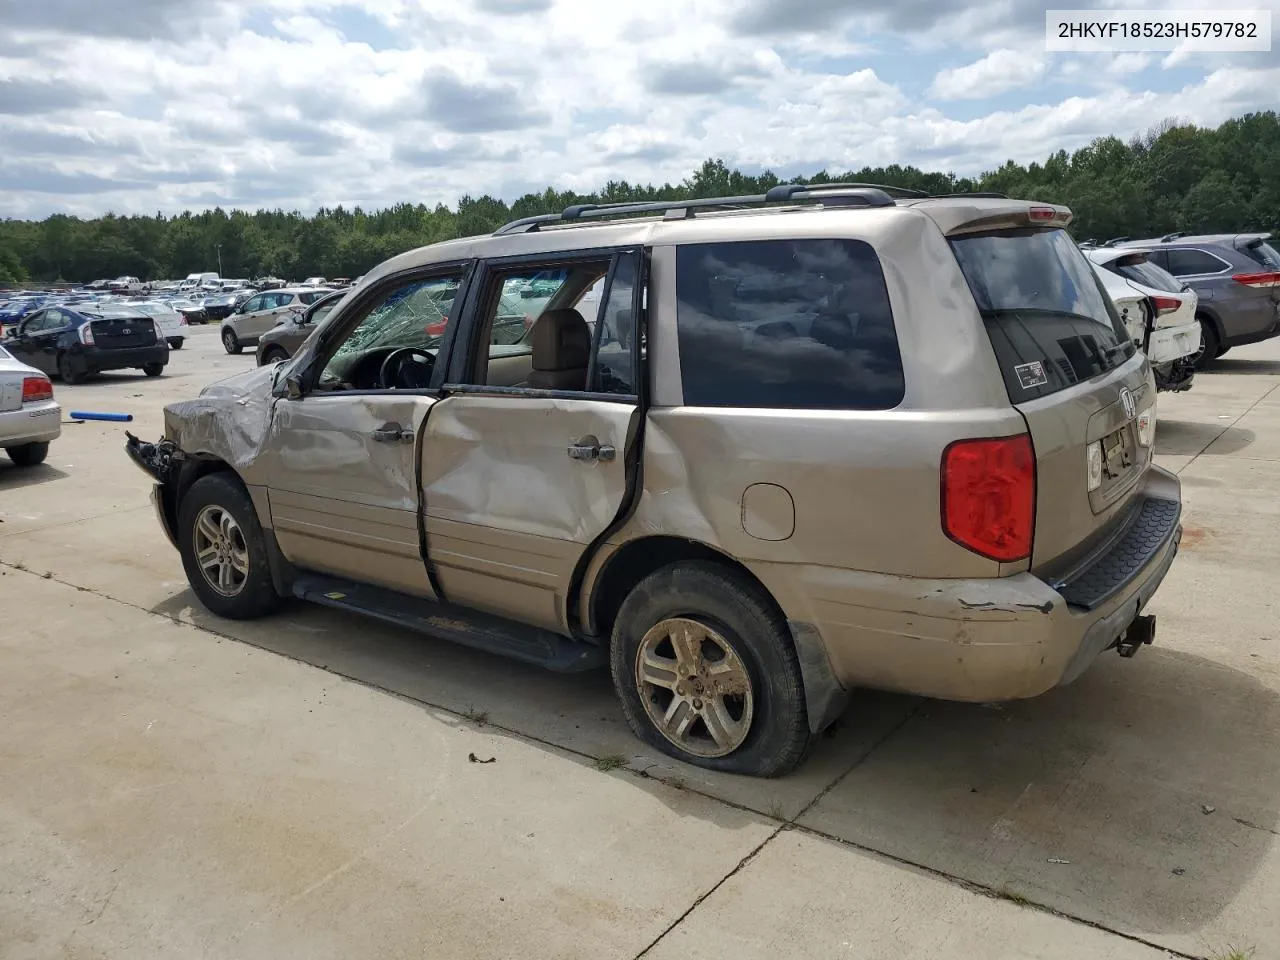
145,105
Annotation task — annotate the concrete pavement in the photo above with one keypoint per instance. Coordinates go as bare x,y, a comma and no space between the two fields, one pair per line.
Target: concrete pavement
175,785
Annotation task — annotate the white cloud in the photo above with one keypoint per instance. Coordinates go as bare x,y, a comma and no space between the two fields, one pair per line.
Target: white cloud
303,103
1124,64
995,73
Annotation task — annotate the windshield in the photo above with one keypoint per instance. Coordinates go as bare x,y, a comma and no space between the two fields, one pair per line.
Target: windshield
1050,322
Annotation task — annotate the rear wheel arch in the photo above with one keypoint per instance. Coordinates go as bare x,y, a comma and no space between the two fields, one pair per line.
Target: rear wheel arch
825,695
638,559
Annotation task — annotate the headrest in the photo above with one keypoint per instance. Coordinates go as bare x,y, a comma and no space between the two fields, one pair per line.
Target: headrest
561,341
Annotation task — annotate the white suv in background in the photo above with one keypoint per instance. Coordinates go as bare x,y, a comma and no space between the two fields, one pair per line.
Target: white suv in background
263,311
1159,312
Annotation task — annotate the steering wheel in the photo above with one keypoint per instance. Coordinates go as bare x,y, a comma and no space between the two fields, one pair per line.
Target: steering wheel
416,376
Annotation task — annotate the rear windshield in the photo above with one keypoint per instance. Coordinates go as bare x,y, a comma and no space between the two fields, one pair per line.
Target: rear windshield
1049,320
1262,253
786,324
1141,270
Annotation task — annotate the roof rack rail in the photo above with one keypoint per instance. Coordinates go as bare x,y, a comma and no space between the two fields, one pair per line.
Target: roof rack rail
830,194
1114,240
1169,237
786,191
976,194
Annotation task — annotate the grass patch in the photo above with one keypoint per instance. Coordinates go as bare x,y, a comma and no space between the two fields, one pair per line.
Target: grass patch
1005,893
613,761
1234,953
776,811
478,717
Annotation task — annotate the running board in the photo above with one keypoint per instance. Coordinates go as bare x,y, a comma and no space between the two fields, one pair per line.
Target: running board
469,628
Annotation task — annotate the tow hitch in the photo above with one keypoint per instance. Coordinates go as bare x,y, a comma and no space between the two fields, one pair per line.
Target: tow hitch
1140,633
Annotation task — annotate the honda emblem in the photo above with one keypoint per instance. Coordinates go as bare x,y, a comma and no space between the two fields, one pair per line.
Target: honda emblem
1126,401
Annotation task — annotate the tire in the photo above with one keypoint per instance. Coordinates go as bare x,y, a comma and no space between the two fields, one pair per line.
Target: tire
153,369
67,371
229,341
1210,344
29,454
245,594
176,343
273,354
768,730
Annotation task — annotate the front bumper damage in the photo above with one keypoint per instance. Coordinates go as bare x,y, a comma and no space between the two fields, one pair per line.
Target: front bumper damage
161,461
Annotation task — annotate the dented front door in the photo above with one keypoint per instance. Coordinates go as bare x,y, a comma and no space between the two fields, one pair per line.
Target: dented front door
342,481
515,489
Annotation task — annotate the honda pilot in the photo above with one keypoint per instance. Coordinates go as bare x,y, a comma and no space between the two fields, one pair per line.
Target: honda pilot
809,442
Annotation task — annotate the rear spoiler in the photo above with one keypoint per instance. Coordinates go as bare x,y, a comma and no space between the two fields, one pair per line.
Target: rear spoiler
957,219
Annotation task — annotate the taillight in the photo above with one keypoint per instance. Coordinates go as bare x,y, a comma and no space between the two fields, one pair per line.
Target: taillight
1258,279
989,496
1166,304
35,389
86,335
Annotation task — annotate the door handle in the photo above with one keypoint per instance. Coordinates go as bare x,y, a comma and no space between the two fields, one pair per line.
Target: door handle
392,433
589,448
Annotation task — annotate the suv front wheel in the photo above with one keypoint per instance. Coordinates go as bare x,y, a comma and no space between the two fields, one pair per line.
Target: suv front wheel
706,671
223,550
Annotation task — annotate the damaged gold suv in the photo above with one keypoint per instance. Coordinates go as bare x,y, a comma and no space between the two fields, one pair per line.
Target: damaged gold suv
800,443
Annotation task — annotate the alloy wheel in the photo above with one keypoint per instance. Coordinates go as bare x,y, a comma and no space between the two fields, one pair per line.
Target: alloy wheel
695,687
221,550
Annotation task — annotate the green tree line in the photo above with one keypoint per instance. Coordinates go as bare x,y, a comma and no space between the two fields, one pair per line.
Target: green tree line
1175,177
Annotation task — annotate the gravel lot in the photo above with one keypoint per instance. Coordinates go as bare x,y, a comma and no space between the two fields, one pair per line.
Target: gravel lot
173,785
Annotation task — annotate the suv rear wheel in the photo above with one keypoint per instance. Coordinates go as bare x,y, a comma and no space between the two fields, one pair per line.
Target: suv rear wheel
706,671
230,342
223,551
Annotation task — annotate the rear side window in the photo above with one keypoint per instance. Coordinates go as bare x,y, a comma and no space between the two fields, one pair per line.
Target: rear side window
1050,322
1141,270
786,324
1190,263
1262,253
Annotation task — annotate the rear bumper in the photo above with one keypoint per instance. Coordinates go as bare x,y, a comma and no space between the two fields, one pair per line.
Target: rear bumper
1004,638
123,359
34,423
1173,343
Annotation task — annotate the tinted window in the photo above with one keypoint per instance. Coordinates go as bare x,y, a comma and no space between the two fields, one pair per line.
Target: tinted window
1146,273
789,324
1263,254
1186,263
254,303
1050,322
310,298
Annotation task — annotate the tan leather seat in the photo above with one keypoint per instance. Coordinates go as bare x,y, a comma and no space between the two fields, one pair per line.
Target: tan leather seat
561,351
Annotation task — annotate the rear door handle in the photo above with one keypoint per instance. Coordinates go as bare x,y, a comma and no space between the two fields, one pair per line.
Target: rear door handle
392,433
589,448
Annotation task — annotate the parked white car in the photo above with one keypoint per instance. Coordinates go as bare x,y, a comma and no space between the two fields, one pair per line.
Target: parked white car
1159,312
171,323
30,419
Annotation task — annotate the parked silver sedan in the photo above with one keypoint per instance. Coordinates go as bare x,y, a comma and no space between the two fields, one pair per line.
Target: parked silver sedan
30,419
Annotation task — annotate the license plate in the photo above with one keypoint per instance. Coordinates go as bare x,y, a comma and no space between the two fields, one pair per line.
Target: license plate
10,396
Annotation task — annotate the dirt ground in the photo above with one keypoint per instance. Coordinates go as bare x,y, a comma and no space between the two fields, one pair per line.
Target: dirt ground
315,785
